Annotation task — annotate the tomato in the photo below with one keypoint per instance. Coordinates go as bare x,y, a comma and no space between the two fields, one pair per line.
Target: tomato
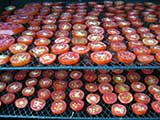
95,37
18,48
142,98
90,76
69,58
125,97
104,78
59,85
94,109
91,87
49,21
14,87
65,40
20,75
109,25
109,98
79,41
132,37
44,34
121,87
157,96
157,56
155,49
7,98
149,41
92,98
61,74
21,102
138,86
128,30
34,28
38,51
115,38
28,91
118,110
35,73
79,27
101,57
119,78
5,42
31,82
58,95
154,89
105,87
146,59
77,105
42,42
25,39
139,108
79,33
126,57
37,104
6,77
113,31
156,106
117,46
147,71
141,50
75,74
47,58
103,71
82,50
29,33
61,33
117,71
2,86
133,76
132,44
58,107
44,93
4,59
151,79
65,26
122,24
75,84
47,73
76,94
97,46
147,35
11,28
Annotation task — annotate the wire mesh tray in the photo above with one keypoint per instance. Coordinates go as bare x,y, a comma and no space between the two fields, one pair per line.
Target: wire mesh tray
10,111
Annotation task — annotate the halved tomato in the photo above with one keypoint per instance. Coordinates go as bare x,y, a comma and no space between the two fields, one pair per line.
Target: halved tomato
6,77
142,98
94,37
18,48
118,46
75,84
2,86
61,74
157,96
20,75
128,30
44,34
38,51
105,87
139,108
79,41
75,74
79,33
48,73
121,87
119,78
115,38
37,104
29,33
90,76
28,91
155,49
118,110
145,59
35,73
58,95
109,98
154,89
104,78
151,80
113,31
47,58
25,39
42,41
141,50
7,98
79,27
132,37
133,76
21,102
61,33
44,93
91,87
59,85
4,59
66,26
156,106
125,97
14,87
92,98
149,41
65,40
58,107
51,27
94,109
60,48
147,71
77,105
97,46
76,94
138,86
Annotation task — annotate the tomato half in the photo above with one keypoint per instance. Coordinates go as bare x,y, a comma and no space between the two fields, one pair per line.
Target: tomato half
90,76
118,46
44,93
118,110
146,59
76,94
94,109
61,74
21,102
156,106
79,27
77,105
7,98
31,82
141,50
79,41
14,87
6,77
119,78
20,75
115,38
60,48
142,98
75,84
139,108
149,41
121,87
157,96
92,98
59,85
65,40
28,91
47,58
35,73
109,98
133,76
95,37
151,79
25,39
48,73
97,46
138,86
105,87
4,59
125,97
58,107
58,95
44,34
37,104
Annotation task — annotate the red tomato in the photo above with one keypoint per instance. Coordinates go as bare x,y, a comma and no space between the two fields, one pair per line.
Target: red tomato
2,86
82,50
118,110
154,89
133,77
132,37
44,93
94,109
90,76
7,98
113,31
44,34
21,102
157,56
125,97
105,87
31,82
139,108
76,94
115,38
28,91
25,39
47,58
95,37
65,40
103,71
20,75
61,74
34,28
79,27
91,87
101,57
119,78
60,48
77,105
141,50
6,77
147,71
42,41
69,58
126,57
49,21
146,59
58,107
48,73
155,49
121,87
109,98
97,46
61,33
79,41
51,27
151,79
75,84
35,73
65,26
37,104
104,78
4,59
117,46
29,33
138,86
133,44
14,87
128,30
157,96
142,98
75,74
79,33
59,85
117,71
149,41
58,95
156,106
38,51
92,98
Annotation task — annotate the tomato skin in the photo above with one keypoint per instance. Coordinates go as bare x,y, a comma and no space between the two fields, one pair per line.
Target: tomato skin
58,107
142,98
139,108
156,106
6,77
61,74
92,98
14,87
21,102
119,78
28,91
153,89
77,105
25,39
104,78
37,107
133,76
7,98
91,87
125,97
75,74
117,108
76,94
94,109
20,75
2,86
58,95
109,98
138,86
60,48
105,87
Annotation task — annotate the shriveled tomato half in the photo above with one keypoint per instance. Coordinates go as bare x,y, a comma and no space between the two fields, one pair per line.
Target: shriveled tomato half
121,87
42,41
65,40
97,46
37,104
59,85
48,73
145,59
96,29
139,108
58,95
44,34
104,78
92,98
142,98
25,39
95,37
119,78
149,41
138,86
75,84
6,77
91,87
157,96
156,106
109,98
151,79
61,74
153,89
38,51
141,50
82,50
118,46
77,105
28,91
90,76
4,59
31,82
125,97
94,109
133,76
47,58
79,41
75,74
118,110
60,48
105,87
35,73
2,86
44,93
7,98
76,94
58,107
20,75
21,102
